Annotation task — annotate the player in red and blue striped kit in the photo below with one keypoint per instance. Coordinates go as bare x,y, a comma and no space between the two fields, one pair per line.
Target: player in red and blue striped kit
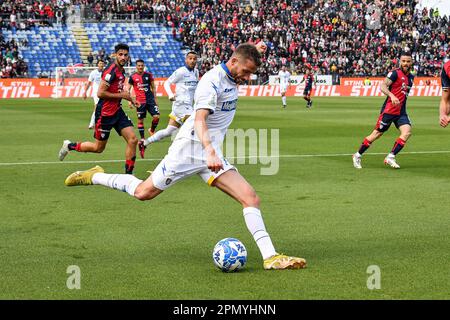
109,113
309,78
143,85
396,87
444,107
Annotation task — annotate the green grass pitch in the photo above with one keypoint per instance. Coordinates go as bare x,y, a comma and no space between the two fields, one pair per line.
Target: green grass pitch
340,219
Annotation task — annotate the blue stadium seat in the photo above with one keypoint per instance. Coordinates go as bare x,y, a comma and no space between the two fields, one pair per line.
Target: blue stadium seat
150,42
50,47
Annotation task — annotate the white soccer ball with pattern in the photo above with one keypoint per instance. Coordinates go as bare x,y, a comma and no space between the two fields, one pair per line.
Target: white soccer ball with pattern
229,255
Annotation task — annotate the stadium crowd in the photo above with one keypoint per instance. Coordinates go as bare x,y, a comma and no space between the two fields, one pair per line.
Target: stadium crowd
347,37
339,37
11,64
25,14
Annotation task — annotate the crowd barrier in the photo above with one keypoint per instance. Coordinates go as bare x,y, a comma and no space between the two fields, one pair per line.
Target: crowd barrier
349,87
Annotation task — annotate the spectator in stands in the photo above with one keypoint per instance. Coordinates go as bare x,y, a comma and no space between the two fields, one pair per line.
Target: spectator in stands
90,59
11,64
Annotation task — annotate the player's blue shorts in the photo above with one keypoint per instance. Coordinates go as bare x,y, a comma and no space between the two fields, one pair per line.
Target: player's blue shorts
385,120
149,107
307,91
104,124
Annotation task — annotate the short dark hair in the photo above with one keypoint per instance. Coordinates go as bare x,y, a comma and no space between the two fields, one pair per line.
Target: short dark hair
406,53
121,46
248,51
140,60
100,60
191,52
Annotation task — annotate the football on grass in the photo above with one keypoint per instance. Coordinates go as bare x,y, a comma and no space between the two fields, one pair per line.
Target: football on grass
229,255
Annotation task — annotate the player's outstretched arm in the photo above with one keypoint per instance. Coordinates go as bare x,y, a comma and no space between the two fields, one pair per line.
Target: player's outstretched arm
444,108
385,89
201,129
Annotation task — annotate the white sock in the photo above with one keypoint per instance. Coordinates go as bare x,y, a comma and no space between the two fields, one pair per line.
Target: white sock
255,225
123,182
92,123
161,134
283,98
358,154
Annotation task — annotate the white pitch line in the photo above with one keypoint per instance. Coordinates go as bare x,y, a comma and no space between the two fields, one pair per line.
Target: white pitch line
4,164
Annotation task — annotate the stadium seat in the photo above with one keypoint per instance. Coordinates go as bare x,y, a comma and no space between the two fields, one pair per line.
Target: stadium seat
51,47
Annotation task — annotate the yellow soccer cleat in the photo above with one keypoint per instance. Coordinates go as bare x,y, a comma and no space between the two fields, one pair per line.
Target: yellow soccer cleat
82,178
281,261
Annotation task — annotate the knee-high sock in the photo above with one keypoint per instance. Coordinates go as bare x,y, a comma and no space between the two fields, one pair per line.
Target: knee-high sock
283,98
161,134
129,165
155,122
255,225
398,146
364,146
75,146
141,130
123,182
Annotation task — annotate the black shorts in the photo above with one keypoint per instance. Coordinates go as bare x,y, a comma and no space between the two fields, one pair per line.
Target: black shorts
385,120
149,107
307,91
104,124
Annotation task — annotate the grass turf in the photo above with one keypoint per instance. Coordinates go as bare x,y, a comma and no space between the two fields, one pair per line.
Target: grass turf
340,219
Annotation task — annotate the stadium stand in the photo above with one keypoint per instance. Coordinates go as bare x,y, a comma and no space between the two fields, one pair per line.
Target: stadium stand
349,37
148,41
48,47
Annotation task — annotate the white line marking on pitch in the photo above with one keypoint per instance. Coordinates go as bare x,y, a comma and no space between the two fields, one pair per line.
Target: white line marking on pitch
248,157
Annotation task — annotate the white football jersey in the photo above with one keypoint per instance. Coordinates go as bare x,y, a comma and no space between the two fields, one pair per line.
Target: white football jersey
186,82
95,77
284,77
216,91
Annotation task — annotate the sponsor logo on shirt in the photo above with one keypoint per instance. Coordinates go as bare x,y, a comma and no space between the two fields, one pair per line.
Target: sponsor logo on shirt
229,105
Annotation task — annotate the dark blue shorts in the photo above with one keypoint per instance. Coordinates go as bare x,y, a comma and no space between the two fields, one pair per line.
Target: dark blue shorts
385,120
104,124
149,107
307,91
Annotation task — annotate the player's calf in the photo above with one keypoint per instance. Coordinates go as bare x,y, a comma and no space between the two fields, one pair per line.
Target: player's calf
146,190
98,147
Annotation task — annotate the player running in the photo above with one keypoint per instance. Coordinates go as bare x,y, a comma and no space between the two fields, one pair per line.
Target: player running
186,80
396,87
196,150
444,107
95,77
109,113
309,78
143,84
284,76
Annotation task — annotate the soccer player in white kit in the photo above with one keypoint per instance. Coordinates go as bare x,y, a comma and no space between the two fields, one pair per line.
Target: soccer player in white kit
196,150
95,77
186,80
284,76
